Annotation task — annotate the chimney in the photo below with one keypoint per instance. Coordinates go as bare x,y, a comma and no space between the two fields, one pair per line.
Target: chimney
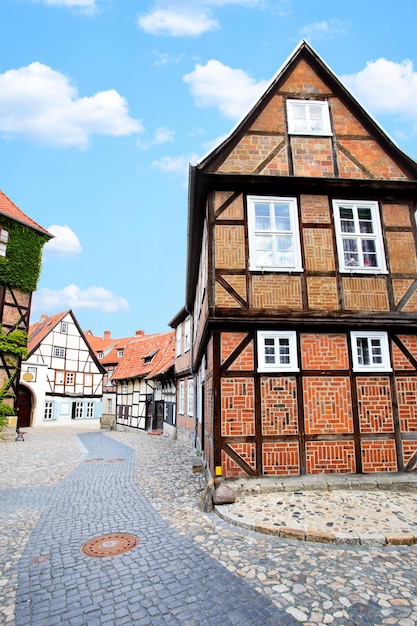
107,335
43,318
139,333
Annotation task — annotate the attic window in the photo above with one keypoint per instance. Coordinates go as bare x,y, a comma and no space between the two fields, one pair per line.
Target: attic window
149,357
120,352
4,239
64,327
100,355
308,117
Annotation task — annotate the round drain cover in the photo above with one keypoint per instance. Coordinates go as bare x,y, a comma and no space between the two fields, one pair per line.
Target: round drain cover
110,545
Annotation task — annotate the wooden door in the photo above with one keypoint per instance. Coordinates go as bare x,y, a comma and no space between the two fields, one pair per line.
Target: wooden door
159,415
24,407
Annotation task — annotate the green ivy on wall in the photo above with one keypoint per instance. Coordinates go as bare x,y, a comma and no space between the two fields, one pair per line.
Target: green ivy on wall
21,266
13,346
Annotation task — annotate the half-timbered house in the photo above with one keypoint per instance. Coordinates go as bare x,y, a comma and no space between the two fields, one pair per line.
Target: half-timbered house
21,243
145,383
109,352
61,378
184,378
302,282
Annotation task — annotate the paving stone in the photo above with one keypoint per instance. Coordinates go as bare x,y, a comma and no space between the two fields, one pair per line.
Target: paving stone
51,502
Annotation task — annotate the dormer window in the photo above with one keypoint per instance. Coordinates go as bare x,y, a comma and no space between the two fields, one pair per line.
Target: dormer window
308,117
148,358
120,353
100,355
4,240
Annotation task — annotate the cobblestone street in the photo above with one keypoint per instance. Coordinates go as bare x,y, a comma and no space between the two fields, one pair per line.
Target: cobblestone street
59,490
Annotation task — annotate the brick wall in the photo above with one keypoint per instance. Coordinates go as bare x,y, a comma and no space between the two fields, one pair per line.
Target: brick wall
330,457
279,406
237,406
379,456
245,360
245,450
322,351
281,458
375,404
276,291
407,403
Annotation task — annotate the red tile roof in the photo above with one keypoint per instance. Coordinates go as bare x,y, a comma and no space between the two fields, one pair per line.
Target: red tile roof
108,346
39,330
133,364
8,208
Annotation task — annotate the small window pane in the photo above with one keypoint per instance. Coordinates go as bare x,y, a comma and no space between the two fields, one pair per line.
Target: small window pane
365,220
282,217
316,117
346,220
262,217
269,350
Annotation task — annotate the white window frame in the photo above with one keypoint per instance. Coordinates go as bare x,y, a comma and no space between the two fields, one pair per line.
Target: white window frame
59,377
277,340
190,397
64,328
89,410
48,411
181,398
187,327
59,352
257,234
70,379
360,237
100,355
305,124
79,410
120,353
372,366
178,340
4,240
88,380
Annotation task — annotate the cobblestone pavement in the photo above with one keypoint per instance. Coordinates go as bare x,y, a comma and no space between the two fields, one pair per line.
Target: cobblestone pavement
51,501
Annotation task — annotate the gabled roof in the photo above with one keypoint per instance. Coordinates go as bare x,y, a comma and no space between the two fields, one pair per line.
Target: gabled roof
40,330
205,174
109,346
159,349
305,52
10,210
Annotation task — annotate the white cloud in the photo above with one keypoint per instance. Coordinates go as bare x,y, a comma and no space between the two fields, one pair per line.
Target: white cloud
163,58
65,241
72,297
178,167
230,90
177,23
186,18
324,30
162,135
39,103
85,6
386,87
174,165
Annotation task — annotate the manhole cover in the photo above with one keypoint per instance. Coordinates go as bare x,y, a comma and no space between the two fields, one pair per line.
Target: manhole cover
110,545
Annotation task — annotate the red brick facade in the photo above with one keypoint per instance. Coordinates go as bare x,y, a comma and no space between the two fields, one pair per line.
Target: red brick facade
326,412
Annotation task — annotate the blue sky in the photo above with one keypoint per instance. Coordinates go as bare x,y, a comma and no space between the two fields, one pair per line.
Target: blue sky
104,103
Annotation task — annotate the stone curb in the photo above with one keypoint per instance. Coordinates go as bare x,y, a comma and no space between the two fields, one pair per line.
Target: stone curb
371,539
